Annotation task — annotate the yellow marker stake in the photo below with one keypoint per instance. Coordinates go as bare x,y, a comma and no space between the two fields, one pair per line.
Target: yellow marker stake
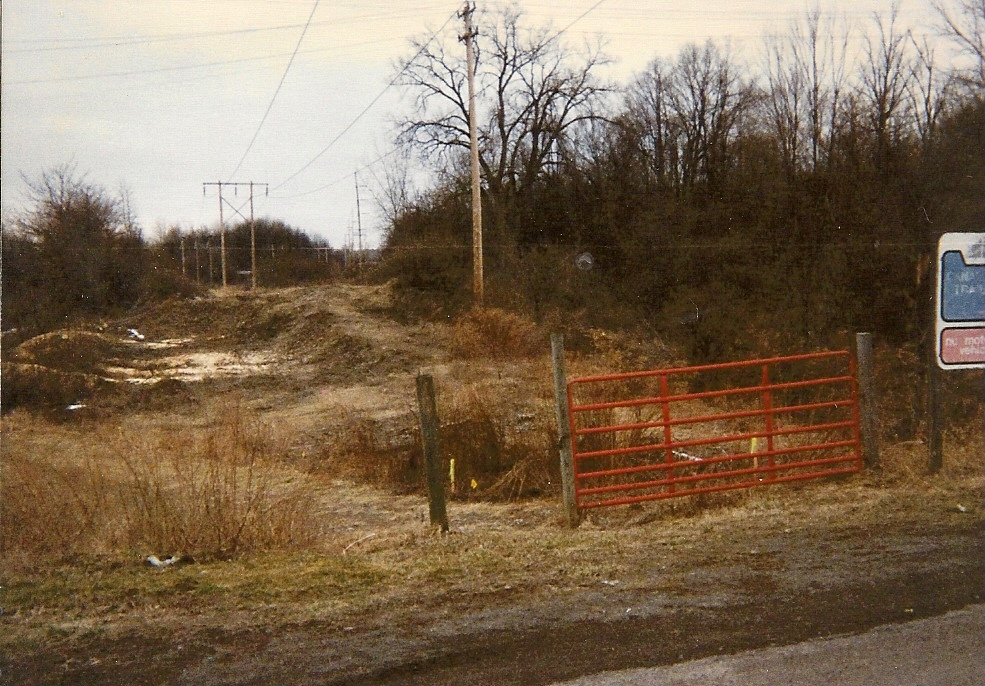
451,472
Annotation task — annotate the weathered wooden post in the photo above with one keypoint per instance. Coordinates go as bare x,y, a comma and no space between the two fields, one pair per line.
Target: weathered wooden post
564,430
935,421
432,451
867,409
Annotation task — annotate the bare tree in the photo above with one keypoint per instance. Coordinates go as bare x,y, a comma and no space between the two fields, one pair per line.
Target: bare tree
649,124
707,99
929,90
885,80
89,249
806,75
965,25
532,91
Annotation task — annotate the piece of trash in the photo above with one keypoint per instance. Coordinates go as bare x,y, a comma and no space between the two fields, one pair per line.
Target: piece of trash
155,561
75,406
961,508
908,611
134,334
606,582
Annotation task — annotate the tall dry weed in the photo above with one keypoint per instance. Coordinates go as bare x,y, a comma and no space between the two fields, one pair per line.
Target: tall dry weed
497,334
207,492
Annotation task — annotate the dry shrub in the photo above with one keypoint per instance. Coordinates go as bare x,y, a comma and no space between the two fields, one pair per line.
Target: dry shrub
498,455
216,493
368,451
50,509
209,492
500,452
498,334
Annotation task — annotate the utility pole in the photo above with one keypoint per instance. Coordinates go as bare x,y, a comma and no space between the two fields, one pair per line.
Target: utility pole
222,231
253,238
477,280
359,220
181,238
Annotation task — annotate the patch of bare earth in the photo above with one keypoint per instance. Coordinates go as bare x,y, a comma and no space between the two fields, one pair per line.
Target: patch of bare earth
509,596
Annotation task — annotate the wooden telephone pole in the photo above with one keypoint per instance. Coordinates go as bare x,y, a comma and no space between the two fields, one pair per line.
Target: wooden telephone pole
477,279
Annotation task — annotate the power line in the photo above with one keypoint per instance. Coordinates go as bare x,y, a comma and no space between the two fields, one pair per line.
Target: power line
339,180
139,72
380,95
126,41
579,18
368,107
277,90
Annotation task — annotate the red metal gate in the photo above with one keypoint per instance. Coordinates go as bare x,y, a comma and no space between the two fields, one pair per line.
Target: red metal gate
673,432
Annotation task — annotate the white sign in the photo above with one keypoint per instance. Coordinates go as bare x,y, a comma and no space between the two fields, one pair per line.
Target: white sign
961,301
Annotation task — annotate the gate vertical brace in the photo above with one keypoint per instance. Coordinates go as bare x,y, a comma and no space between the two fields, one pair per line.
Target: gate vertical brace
562,411
867,391
768,416
668,433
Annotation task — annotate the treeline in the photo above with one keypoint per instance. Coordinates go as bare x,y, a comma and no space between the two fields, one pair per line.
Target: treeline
76,253
284,255
729,208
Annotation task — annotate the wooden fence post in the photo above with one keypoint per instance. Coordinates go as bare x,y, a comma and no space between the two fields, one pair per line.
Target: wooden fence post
432,451
867,409
935,422
564,430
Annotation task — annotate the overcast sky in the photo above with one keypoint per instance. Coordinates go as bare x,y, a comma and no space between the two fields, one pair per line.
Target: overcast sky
159,97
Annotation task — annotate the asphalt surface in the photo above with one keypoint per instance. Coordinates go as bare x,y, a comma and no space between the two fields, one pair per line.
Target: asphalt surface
948,650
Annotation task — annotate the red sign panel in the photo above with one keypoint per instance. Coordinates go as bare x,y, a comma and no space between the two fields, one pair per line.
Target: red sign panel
963,346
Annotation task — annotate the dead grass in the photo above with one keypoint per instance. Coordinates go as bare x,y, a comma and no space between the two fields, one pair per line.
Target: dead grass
113,487
280,542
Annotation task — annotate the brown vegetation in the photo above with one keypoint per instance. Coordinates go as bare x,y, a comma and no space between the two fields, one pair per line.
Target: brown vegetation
296,485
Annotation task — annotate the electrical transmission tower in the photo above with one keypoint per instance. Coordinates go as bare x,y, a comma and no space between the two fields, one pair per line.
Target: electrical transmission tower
222,226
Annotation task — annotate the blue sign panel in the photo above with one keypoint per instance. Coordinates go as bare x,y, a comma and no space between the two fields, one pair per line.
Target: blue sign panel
962,289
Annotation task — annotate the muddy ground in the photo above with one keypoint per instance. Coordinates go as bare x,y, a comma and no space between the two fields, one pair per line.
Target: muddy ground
634,587
740,595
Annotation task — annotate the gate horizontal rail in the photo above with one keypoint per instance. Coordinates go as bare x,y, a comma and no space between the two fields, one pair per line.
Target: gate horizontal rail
640,458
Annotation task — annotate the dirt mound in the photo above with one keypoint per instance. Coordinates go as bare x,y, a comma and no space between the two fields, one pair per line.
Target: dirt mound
42,388
85,352
214,317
